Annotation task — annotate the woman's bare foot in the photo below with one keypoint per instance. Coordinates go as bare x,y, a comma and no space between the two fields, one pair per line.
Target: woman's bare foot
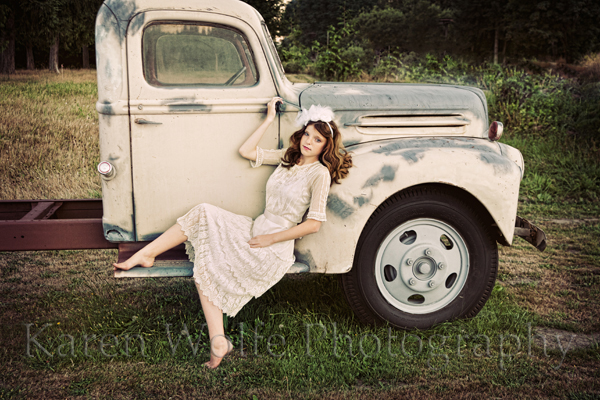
140,258
220,347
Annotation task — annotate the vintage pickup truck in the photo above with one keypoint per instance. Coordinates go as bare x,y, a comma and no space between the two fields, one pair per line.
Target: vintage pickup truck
413,230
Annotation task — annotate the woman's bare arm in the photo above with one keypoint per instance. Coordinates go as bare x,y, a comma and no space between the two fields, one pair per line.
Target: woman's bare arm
248,149
306,228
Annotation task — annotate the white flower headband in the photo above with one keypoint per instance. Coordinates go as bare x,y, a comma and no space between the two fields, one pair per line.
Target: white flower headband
315,114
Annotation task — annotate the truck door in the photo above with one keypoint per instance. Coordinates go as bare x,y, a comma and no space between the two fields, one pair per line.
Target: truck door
198,87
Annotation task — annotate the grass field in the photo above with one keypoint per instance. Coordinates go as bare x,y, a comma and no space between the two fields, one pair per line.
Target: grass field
300,339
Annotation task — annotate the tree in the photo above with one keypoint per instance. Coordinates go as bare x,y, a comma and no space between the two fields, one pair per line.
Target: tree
481,25
314,17
561,28
29,33
50,24
383,28
7,38
411,25
272,13
81,15
527,28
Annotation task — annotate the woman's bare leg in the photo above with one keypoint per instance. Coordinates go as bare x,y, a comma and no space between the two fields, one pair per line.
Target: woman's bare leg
145,256
219,345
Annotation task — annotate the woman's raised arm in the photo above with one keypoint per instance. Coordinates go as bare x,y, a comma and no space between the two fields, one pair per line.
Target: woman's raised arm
248,149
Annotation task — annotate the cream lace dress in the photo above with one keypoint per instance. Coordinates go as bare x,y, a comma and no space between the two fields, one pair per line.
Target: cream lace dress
226,269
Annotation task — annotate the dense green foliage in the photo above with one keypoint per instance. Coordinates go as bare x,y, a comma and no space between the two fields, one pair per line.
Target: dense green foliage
560,28
492,30
414,26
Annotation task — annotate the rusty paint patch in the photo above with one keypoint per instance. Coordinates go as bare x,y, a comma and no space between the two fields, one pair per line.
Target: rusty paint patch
115,233
501,165
305,258
387,173
434,142
409,151
362,200
339,207
149,237
413,156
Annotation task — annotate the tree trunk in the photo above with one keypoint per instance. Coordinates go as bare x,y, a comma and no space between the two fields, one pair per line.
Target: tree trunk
29,52
496,34
53,60
86,57
504,51
7,41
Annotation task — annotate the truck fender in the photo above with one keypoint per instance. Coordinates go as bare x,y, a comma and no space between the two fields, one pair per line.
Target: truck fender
384,168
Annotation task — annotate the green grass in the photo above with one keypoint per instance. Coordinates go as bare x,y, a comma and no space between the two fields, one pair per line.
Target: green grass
558,168
313,303
492,348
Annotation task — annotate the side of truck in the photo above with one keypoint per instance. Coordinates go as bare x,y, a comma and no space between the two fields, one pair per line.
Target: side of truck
412,231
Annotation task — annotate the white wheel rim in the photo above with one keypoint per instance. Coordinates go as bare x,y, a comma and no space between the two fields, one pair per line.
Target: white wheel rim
415,250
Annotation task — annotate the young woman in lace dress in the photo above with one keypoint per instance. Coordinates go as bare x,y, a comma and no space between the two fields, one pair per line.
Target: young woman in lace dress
236,258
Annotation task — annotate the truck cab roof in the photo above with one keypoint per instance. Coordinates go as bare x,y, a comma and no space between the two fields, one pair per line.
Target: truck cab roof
125,10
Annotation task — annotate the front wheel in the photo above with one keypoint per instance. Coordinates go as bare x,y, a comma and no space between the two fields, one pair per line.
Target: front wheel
423,258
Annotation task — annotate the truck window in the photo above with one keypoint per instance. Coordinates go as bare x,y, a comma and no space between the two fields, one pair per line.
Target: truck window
184,54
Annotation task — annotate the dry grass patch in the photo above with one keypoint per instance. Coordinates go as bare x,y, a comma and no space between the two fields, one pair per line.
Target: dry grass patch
586,70
41,75
49,136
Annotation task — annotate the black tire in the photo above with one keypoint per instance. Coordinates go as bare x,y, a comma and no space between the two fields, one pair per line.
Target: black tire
414,291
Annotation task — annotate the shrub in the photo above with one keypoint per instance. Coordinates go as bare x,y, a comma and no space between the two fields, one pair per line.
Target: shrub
342,59
295,58
590,68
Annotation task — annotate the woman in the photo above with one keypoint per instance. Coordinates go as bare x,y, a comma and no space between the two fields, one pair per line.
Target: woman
235,258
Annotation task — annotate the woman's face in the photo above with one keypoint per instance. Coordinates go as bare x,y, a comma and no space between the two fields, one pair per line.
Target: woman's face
312,142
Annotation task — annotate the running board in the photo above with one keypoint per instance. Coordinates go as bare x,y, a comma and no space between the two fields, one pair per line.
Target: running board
170,264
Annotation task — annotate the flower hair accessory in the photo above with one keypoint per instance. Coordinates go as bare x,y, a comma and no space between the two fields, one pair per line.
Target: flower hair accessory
315,114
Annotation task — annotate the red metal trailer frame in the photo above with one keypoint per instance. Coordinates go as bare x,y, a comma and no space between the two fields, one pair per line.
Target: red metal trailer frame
52,225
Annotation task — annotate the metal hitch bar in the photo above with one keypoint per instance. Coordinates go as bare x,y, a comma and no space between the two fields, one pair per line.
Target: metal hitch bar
530,233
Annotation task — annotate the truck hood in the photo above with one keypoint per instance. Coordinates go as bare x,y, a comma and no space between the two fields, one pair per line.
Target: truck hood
392,96
374,111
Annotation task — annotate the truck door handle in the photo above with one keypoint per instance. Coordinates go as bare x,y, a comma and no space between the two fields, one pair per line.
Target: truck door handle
142,121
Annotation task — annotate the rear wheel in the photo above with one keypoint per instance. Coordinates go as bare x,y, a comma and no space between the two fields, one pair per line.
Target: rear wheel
423,258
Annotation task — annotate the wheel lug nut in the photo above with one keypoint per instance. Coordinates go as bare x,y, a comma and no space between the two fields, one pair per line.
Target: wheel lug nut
427,252
409,261
431,284
441,265
411,281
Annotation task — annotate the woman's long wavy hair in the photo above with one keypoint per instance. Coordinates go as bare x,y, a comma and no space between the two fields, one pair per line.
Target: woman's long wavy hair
334,156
